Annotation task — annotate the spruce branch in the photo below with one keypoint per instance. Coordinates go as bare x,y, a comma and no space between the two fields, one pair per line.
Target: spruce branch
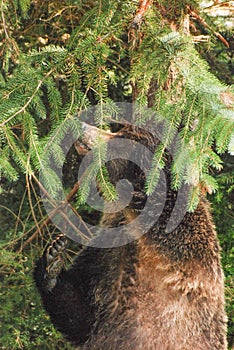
22,109
57,210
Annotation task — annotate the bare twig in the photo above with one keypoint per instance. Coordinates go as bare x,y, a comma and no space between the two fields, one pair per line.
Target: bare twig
137,20
57,209
134,35
203,22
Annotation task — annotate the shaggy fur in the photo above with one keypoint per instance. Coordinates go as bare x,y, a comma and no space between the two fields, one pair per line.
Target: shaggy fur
162,292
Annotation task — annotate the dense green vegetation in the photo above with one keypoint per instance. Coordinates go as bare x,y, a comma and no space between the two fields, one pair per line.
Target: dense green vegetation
60,57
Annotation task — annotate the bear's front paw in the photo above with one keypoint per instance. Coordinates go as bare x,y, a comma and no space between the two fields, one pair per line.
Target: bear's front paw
54,258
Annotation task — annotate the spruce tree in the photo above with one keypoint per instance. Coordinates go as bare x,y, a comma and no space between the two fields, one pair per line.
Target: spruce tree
60,57
107,52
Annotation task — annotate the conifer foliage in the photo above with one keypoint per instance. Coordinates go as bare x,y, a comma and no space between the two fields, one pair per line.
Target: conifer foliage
60,57
100,53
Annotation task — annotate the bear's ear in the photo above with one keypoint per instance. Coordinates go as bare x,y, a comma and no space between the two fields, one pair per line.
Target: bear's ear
90,135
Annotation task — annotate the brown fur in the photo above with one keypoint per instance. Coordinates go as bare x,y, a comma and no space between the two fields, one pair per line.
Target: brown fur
164,291
169,304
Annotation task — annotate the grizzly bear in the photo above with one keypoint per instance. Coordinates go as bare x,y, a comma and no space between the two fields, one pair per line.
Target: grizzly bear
163,290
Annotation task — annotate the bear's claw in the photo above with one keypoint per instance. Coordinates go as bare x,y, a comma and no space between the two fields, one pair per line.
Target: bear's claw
54,260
